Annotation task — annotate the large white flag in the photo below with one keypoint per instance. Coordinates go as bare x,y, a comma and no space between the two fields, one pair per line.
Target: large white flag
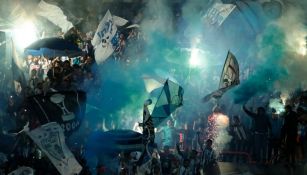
51,140
217,14
54,14
22,171
106,36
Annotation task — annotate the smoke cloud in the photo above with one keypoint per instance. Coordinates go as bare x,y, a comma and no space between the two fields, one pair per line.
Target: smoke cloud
280,56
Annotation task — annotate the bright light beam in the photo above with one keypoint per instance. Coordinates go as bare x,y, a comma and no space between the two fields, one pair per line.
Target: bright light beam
24,34
195,59
302,48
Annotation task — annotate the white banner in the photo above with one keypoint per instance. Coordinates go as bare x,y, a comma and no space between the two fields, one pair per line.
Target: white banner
105,38
22,171
106,30
217,14
51,140
54,14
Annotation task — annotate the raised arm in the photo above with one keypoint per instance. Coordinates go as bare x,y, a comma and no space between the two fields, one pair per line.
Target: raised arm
249,113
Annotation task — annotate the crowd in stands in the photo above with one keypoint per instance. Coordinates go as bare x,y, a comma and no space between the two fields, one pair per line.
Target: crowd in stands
59,74
182,150
273,138
191,149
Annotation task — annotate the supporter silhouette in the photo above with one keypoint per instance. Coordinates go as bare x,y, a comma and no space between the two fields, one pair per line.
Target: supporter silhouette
261,128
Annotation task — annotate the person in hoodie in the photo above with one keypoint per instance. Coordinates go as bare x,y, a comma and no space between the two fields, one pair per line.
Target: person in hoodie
262,126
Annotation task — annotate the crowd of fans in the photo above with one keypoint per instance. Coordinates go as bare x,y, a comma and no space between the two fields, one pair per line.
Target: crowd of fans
187,148
272,139
182,150
59,74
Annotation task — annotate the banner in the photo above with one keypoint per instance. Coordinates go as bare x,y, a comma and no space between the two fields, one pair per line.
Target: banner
218,13
51,140
66,108
106,37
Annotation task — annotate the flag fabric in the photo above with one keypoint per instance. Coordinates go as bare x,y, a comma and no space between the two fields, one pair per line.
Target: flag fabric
119,21
133,26
22,171
231,73
152,83
66,108
54,14
218,13
170,99
106,38
230,77
51,140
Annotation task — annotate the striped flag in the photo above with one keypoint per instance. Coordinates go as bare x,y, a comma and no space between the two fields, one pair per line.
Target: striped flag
51,140
170,99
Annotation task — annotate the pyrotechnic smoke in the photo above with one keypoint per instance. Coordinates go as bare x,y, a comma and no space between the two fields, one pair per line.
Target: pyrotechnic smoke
223,137
279,55
277,105
270,51
157,17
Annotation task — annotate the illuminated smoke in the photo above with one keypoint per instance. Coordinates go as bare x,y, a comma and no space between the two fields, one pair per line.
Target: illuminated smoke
218,124
222,120
277,104
279,56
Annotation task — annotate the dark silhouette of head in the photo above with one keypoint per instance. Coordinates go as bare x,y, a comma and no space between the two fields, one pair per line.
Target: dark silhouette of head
288,108
260,111
209,143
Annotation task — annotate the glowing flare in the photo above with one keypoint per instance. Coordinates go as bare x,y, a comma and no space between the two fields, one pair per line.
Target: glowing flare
24,34
278,105
222,120
302,50
195,57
